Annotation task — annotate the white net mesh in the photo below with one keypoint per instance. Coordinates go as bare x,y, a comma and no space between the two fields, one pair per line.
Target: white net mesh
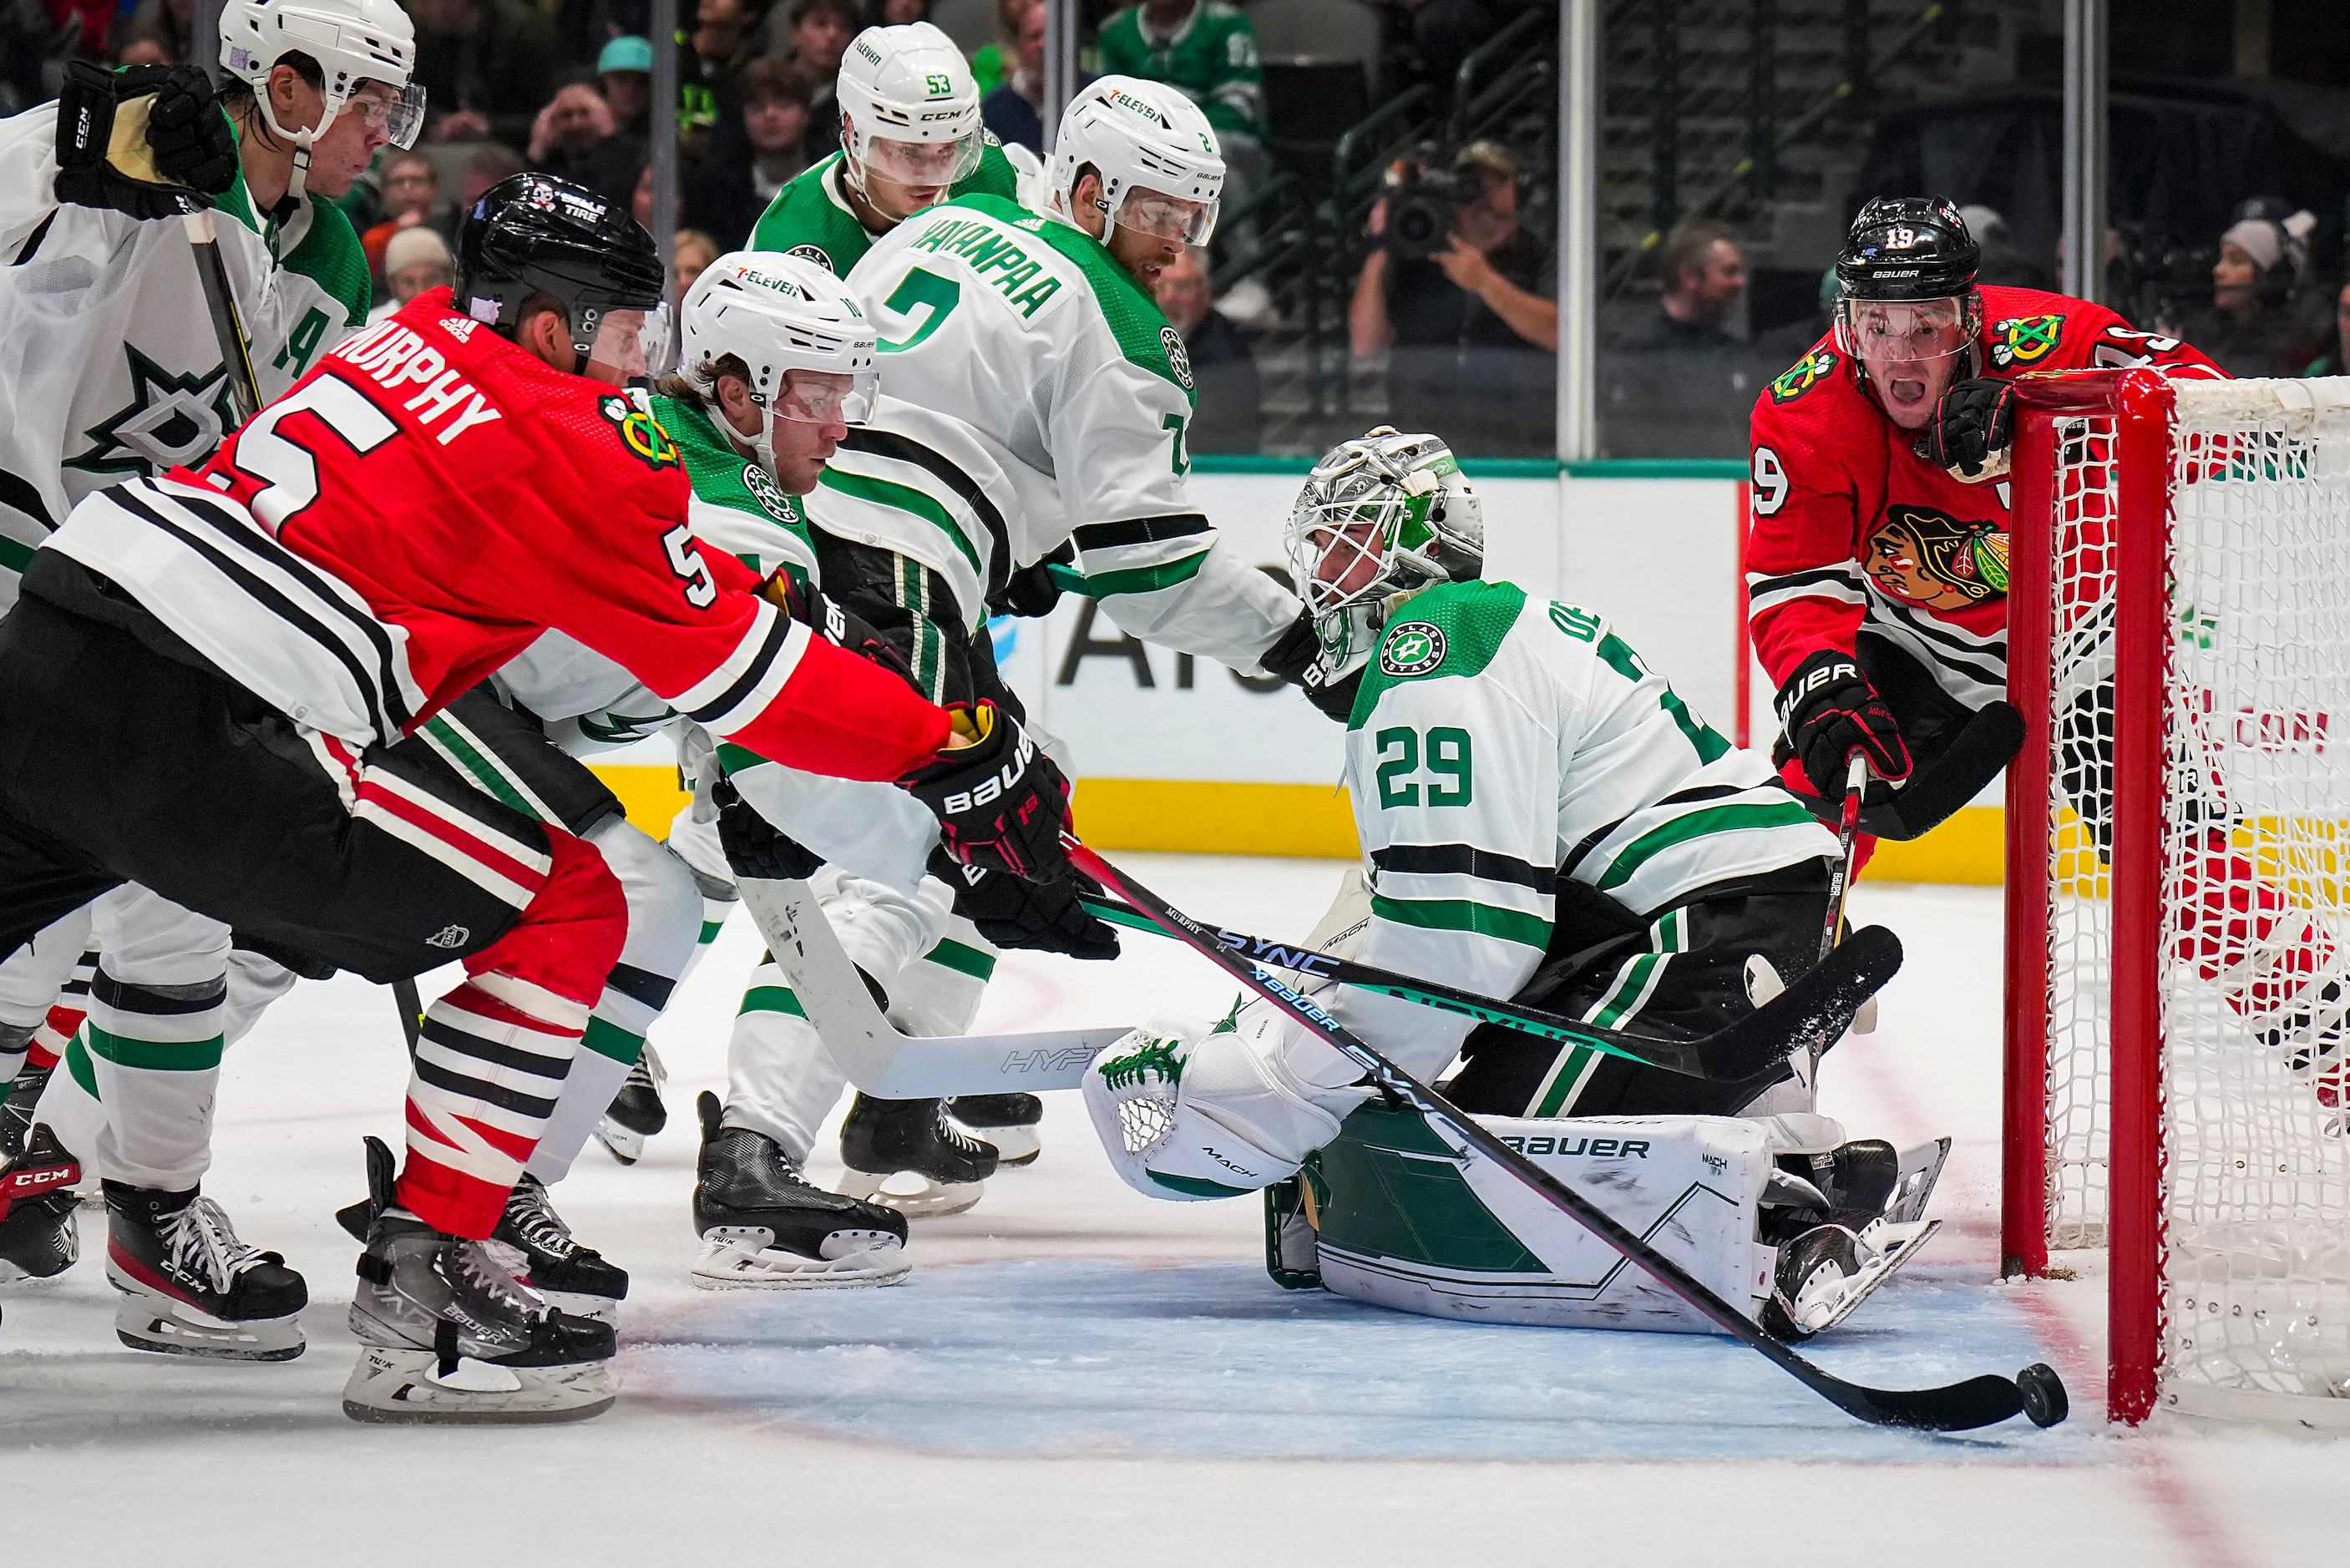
2255,1002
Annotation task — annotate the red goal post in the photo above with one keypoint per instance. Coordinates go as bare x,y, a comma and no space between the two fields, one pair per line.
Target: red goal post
2178,952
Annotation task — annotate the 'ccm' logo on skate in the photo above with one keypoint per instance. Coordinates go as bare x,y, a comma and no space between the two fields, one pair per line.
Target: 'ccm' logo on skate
1005,777
23,1183
1595,1147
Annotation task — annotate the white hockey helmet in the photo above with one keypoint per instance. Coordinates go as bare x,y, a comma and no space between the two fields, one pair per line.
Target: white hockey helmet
909,107
1161,170
780,315
1382,515
354,41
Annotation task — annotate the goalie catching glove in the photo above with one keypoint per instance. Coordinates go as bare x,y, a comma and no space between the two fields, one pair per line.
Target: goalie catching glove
1827,711
1188,1110
151,142
1973,425
1001,802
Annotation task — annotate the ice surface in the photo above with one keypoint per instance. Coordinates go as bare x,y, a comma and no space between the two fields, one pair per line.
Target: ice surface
1076,1374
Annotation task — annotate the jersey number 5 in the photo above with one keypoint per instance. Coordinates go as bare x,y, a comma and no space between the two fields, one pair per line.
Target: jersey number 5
289,467
685,560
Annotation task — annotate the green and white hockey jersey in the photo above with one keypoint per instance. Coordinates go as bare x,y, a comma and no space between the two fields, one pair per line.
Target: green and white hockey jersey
811,219
108,368
1213,58
1024,330
1501,743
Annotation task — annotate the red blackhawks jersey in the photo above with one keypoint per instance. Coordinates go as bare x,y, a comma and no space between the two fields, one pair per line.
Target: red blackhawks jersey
428,501
1853,529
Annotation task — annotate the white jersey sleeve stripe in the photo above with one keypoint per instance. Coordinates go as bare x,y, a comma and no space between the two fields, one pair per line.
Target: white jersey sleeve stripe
738,690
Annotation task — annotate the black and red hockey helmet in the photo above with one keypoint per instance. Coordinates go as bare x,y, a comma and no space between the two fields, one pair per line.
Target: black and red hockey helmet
533,233
1907,248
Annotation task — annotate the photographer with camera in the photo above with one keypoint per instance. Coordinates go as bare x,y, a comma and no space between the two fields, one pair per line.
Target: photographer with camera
1458,295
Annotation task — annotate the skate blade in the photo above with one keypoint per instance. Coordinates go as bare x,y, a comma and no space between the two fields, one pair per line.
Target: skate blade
402,1387
144,1321
732,1266
929,1200
625,1143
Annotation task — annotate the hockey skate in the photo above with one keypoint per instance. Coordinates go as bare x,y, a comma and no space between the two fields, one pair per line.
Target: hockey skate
1007,1121
637,1112
448,1336
1845,1220
573,1278
37,1238
763,1226
189,1286
16,1108
882,1140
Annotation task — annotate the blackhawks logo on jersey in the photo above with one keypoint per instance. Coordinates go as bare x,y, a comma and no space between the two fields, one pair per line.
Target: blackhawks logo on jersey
1413,648
2024,339
1923,555
639,432
1802,374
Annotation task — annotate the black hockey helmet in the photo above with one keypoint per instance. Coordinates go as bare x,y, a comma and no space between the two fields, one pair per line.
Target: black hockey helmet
1905,248
534,233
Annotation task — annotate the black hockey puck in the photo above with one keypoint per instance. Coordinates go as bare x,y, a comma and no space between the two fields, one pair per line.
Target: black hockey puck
2044,1401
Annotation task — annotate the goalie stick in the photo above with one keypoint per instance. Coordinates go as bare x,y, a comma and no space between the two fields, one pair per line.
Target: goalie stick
1807,1017
1965,767
1982,1401
869,1049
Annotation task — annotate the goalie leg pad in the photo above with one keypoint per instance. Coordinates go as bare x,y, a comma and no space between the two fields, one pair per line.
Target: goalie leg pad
1188,1111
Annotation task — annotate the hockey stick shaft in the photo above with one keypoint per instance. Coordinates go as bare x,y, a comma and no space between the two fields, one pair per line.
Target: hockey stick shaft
1847,833
1977,1402
411,1011
1805,1017
228,329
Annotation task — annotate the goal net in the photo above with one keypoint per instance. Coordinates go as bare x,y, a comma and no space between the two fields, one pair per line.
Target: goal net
2178,879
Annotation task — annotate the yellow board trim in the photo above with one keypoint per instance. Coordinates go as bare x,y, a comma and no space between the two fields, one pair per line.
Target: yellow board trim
1189,816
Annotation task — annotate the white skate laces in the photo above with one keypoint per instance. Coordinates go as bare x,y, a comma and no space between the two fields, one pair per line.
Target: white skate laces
200,1238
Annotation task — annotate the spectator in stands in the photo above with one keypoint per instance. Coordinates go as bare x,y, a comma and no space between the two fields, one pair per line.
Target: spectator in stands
2003,264
574,137
2249,327
692,253
990,63
487,68
2333,361
412,199
721,47
820,33
417,260
1230,413
159,33
757,148
491,162
896,12
1014,108
1470,332
624,71
1705,283
1209,50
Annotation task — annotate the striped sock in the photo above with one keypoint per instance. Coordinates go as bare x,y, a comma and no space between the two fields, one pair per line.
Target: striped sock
489,1068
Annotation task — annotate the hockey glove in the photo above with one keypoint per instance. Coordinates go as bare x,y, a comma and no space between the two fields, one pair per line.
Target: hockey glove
1013,912
1001,803
1033,591
1973,424
753,848
1829,711
1296,658
837,624
150,141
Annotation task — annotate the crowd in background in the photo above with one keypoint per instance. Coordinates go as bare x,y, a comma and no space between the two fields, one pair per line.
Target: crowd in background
566,86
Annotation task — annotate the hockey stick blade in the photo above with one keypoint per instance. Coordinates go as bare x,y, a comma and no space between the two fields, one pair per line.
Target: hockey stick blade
1961,1406
870,1050
1809,1015
1933,794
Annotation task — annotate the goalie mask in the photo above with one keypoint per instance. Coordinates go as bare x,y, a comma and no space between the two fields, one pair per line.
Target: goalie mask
1381,517
807,347
366,50
909,111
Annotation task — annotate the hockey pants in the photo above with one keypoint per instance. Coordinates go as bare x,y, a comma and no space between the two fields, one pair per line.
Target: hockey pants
377,863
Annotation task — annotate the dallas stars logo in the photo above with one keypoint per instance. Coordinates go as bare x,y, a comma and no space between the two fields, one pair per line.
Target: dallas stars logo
1414,647
170,420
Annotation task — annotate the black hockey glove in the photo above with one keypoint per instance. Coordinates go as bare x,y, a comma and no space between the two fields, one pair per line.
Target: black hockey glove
1033,591
1013,912
1001,802
1972,424
753,848
1296,658
836,623
186,156
1827,711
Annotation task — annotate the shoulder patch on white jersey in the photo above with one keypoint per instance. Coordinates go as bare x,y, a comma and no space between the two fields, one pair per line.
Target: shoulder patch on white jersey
1412,648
